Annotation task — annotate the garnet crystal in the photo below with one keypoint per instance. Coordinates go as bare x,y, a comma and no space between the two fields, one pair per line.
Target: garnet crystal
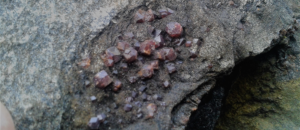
123,45
139,16
130,54
117,85
102,79
170,54
146,71
174,29
114,53
149,16
147,46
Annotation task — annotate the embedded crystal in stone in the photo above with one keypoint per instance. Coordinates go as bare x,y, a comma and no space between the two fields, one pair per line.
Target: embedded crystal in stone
165,12
149,16
107,59
150,29
159,41
170,54
85,63
151,109
188,43
123,45
128,35
130,54
132,79
171,68
156,32
146,71
147,46
127,107
94,123
117,85
136,45
124,66
102,79
101,117
179,42
154,64
142,88
166,84
114,53
174,29
160,54
139,16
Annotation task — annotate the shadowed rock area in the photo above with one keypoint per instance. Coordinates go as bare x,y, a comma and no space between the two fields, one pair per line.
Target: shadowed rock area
265,97
43,43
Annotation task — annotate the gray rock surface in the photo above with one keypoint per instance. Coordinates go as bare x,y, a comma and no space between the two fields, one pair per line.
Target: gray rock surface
42,41
38,41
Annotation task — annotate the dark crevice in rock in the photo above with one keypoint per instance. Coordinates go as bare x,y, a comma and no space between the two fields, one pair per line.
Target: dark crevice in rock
212,104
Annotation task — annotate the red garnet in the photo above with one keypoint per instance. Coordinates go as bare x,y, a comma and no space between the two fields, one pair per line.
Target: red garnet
123,45
160,54
102,79
147,46
155,64
130,54
170,54
149,16
174,29
139,16
85,63
114,53
188,43
117,85
107,59
146,71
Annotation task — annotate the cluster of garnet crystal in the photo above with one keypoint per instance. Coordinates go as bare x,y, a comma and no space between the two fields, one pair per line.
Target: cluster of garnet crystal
155,48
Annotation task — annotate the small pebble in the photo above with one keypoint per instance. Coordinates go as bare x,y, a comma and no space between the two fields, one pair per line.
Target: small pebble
134,94
93,98
144,96
140,115
142,88
128,99
157,97
138,104
166,84
151,109
94,123
101,117
127,107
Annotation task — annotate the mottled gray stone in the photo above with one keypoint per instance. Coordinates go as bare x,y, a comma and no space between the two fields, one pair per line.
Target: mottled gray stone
38,40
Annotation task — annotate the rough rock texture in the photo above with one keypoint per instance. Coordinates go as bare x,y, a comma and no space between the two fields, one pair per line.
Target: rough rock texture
42,42
38,41
267,96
